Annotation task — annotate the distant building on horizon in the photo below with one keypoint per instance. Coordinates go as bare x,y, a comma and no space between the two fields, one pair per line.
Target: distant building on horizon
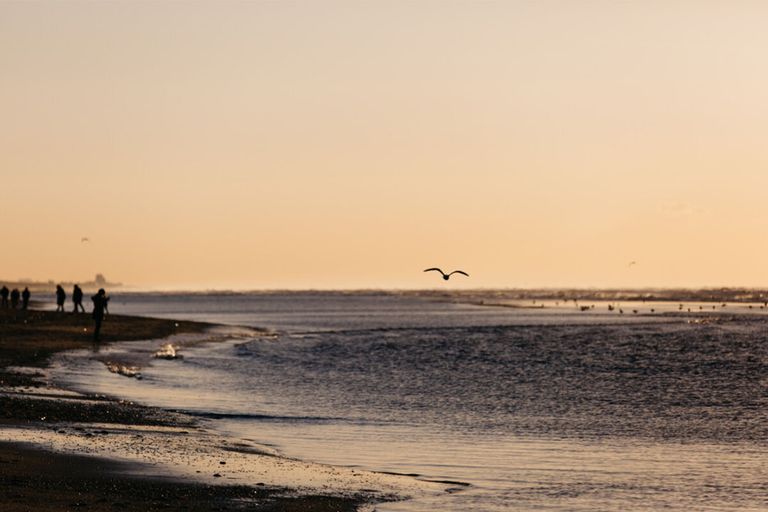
99,281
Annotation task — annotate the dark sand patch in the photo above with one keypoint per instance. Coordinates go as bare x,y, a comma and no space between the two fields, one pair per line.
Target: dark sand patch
38,480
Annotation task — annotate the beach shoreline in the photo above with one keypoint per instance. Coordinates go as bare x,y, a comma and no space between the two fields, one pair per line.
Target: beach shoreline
60,449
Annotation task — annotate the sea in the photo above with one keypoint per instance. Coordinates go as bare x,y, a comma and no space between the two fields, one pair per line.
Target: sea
528,405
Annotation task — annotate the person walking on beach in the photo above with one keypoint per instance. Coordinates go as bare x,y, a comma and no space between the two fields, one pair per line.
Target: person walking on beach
4,296
15,296
25,298
100,301
61,296
77,298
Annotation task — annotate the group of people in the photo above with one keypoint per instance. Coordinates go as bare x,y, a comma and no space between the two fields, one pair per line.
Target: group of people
10,299
15,296
77,299
100,302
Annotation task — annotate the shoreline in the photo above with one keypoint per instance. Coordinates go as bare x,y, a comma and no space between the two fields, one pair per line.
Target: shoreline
60,449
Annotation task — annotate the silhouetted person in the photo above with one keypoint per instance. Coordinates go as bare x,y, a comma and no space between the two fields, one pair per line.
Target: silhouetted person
15,296
77,298
100,301
4,296
25,298
61,296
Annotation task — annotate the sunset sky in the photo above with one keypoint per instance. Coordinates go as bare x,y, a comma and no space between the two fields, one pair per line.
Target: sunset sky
353,144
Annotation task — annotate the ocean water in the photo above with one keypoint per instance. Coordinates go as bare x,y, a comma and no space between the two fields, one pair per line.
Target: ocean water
523,408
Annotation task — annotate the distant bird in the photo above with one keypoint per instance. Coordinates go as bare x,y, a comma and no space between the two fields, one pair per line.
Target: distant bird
632,263
84,239
447,276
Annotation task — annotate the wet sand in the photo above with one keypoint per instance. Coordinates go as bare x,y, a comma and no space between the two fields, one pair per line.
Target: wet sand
33,479
61,450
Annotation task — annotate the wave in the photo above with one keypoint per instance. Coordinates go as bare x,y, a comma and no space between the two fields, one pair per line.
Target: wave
264,417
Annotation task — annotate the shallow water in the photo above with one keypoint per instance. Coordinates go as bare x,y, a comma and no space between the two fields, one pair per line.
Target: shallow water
536,409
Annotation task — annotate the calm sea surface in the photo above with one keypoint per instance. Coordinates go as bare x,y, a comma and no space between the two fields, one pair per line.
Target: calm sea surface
535,409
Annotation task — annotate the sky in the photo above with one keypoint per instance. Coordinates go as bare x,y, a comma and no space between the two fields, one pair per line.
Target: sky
247,145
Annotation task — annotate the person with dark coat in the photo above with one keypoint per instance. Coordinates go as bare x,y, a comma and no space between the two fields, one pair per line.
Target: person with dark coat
77,298
100,301
15,296
25,298
4,296
61,296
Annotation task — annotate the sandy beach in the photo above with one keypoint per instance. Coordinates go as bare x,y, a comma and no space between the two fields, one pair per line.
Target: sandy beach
61,450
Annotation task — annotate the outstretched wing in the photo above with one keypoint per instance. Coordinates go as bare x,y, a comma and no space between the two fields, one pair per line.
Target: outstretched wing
435,268
459,272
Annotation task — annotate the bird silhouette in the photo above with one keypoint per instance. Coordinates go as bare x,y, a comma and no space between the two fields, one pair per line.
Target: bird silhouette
85,239
447,276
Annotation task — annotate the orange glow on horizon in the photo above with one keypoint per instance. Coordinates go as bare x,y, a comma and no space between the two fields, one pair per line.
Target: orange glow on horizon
280,145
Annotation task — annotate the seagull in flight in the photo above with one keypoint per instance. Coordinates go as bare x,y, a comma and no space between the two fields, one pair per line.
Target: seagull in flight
448,276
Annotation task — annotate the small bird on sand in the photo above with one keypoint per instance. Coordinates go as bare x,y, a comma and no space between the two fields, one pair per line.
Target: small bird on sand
447,276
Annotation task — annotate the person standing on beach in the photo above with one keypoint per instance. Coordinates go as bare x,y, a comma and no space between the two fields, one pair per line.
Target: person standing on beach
100,301
4,296
77,298
25,298
61,296
15,296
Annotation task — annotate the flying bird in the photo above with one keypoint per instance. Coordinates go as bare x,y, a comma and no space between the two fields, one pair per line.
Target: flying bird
632,263
447,276
85,239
